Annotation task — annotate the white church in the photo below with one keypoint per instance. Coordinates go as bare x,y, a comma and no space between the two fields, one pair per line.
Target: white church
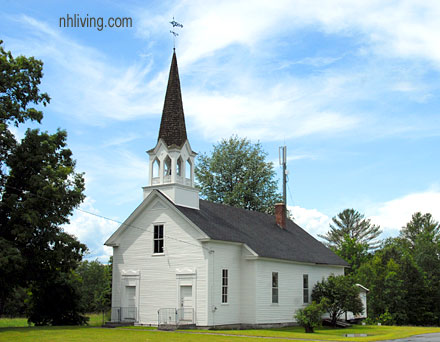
179,260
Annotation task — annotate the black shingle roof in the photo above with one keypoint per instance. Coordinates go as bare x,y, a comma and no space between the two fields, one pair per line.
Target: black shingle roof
172,126
260,232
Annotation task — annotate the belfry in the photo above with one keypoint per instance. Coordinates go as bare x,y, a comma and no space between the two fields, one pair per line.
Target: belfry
171,162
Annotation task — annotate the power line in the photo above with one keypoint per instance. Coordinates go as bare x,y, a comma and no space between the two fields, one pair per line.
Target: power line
110,219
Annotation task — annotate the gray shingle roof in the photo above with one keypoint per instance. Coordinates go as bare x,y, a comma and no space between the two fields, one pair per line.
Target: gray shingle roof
260,232
172,125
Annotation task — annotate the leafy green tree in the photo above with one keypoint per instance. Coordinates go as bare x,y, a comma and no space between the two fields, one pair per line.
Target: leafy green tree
237,174
352,223
95,285
339,294
56,300
310,317
352,251
422,234
397,285
16,302
19,82
39,190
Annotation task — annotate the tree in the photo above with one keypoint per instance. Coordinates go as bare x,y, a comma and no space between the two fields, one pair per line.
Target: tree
56,300
352,251
421,227
311,316
237,174
95,285
39,190
422,235
352,223
339,294
397,285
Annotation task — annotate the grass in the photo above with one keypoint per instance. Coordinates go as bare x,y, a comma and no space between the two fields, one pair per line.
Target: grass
90,334
95,320
13,322
16,330
375,333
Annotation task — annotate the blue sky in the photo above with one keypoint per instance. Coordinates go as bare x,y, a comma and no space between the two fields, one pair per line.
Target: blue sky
351,87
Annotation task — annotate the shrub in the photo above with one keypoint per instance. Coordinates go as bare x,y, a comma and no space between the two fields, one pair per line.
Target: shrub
310,317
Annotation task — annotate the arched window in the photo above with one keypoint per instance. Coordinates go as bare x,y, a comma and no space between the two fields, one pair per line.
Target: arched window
188,169
167,166
156,168
179,167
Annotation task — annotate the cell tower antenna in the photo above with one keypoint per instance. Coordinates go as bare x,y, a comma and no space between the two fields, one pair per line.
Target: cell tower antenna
282,154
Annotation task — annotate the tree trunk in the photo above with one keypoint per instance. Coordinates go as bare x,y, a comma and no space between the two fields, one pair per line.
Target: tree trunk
309,329
2,305
334,319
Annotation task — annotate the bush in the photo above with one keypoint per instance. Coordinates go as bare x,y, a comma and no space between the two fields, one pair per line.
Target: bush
310,317
385,319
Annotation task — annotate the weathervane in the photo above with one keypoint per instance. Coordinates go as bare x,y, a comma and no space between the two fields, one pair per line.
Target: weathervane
175,34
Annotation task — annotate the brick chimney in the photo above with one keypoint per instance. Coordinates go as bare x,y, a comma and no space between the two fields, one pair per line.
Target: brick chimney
280,215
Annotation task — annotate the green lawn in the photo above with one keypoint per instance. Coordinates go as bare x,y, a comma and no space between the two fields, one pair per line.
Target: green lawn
375,333
23,333
90,334
95,320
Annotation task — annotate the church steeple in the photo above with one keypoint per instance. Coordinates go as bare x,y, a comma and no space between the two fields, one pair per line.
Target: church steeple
172,126
172,160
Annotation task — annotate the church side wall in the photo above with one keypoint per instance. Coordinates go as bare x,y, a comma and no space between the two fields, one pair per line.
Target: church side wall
184,262
248,291
290,288
225,256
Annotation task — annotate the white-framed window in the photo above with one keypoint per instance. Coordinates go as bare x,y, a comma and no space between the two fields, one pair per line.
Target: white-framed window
274,287
158,238
305,288
225,282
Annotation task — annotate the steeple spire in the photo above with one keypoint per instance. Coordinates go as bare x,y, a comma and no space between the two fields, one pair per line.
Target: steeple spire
172,126
172,160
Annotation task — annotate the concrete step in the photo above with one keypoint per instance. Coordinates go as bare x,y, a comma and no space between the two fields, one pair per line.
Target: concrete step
117,324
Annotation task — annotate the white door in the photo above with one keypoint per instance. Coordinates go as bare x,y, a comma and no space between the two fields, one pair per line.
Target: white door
129,311
186,303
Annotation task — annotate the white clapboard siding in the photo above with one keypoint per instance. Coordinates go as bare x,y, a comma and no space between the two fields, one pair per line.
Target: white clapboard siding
225,256
158,283
290,288
248,290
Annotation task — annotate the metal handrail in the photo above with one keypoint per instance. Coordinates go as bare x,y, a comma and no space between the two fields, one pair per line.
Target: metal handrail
173,316
124,314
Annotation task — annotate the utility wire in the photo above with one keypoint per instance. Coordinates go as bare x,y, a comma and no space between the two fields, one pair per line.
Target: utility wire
110,219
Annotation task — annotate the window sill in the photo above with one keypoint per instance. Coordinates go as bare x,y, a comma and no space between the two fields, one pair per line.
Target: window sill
224,304
157,254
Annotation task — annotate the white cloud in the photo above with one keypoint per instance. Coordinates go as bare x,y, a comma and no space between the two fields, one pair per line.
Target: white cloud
311,220
259,107
393,215
283,110
84,82
92,230
407,29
